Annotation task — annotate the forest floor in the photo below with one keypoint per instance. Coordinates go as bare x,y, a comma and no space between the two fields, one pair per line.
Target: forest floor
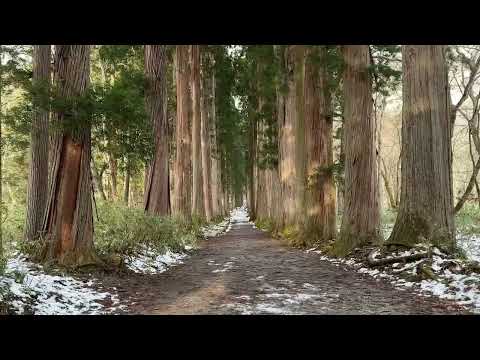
245,271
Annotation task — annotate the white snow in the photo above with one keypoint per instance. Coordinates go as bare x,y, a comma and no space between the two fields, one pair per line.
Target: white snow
471,245
44,294
464,289
148,261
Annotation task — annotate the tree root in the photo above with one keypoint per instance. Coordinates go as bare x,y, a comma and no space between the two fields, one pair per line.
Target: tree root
373,262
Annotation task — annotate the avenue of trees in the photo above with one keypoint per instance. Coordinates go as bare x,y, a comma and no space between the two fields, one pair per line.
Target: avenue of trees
191,131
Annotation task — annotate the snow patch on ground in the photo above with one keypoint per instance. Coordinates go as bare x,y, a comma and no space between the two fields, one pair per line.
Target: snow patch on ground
148,261
275,299
28,289
471,245
461,288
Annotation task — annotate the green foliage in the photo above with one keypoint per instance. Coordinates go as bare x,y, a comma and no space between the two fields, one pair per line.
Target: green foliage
387,76
467,220
123,230
231,125
266,224
12,227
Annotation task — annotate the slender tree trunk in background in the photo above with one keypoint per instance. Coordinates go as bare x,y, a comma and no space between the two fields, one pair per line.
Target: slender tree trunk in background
215,172
1,152
341,181
473,133
292,168
197,183
112,162
98,181
361,213
205,137
38,175
252,143
280,113
157,191
388,189
320,222
68,220
260,180
426,202
126,189
181,201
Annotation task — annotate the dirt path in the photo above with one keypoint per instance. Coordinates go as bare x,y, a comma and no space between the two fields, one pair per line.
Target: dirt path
246,272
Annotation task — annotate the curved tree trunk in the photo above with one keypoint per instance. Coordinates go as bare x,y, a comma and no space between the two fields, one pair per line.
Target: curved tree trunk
361,213
426,200
68,220
320,224
157,192
181,194
38,176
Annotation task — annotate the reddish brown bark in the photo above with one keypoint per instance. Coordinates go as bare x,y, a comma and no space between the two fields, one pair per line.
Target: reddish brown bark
68,220
157,193
181,199
361,213
320,224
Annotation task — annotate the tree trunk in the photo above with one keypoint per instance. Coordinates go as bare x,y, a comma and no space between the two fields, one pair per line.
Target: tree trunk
388,189
260,179
38,176
112,162
426,201
181,200
215,171
126,189
361,213
252,144
1,153
98,181
320,224
68,220
157,192
206,84
292,166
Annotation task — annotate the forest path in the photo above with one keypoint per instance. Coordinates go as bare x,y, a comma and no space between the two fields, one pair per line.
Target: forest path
246,272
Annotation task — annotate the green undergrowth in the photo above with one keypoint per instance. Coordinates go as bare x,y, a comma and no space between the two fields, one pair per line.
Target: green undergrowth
467,220
266,224
122,230
118,231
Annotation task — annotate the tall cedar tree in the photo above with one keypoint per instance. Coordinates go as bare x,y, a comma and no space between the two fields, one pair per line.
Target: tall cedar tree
38,175
197,183
426,202
320,200
206,114
68,223
361,213
292,159
181,194
157,193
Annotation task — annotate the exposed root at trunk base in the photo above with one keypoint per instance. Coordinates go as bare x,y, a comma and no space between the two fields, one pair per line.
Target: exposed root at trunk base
372,261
